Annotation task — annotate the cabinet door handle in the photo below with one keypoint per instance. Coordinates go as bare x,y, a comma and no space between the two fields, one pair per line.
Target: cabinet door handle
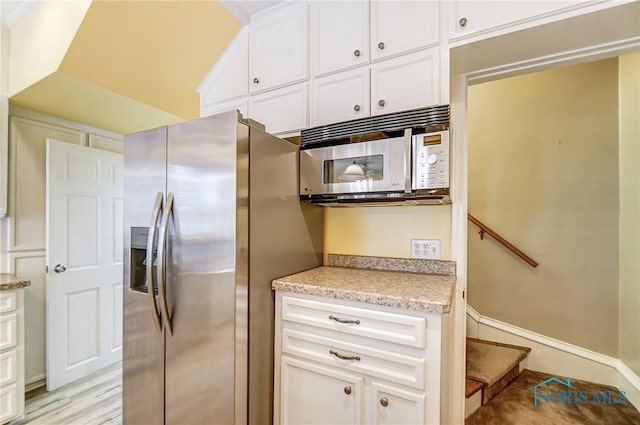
347,390
381,102
384,402
256,81
462,22
337,319
343,357
357,109
381,45
356,53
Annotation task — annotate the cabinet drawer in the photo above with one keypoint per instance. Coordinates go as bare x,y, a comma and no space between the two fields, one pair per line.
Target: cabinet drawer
8,367
8,301
393,367
8,330
389,327
8,402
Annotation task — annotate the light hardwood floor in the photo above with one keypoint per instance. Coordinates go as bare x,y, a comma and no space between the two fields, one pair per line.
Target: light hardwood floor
93,400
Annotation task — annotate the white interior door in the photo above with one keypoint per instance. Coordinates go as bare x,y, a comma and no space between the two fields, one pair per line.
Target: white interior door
84,257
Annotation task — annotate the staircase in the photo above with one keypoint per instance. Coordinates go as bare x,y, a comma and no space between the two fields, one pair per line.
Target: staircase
491,367
499,390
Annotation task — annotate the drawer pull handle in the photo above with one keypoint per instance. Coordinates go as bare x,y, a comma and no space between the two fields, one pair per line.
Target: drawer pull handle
348,321
347,390
384,402
342,357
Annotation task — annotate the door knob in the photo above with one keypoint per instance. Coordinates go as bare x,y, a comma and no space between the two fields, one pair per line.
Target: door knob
381,102
60,268
384,402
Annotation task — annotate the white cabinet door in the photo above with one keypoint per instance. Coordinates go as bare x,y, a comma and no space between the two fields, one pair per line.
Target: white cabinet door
281,111
339,35
312,394
278,48
407,82
474,17
389,405
241,105
401,26
230,76
340,97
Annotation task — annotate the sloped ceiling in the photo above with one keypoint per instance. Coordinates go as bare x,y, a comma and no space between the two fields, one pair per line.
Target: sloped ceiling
150,54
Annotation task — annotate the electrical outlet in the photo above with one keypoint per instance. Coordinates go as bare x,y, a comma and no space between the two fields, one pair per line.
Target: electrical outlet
425,248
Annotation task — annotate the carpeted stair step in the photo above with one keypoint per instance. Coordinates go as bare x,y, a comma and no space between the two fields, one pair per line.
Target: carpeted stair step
493,364
517,404
473,394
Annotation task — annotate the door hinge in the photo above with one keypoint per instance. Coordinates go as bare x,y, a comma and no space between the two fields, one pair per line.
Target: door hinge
463,294
46,269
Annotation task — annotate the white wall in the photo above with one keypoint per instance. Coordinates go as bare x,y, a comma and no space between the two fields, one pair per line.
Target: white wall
40,39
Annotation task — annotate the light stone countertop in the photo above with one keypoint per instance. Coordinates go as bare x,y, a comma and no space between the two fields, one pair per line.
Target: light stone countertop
430,293
9,281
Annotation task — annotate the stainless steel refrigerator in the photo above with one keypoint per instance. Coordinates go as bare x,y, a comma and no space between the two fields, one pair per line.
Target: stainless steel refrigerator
212,216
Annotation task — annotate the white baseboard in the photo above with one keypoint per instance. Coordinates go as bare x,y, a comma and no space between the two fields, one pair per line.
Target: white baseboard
35,382
557,357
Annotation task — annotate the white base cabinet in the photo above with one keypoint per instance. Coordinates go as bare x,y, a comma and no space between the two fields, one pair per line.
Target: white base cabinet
313,394
343,362
11,354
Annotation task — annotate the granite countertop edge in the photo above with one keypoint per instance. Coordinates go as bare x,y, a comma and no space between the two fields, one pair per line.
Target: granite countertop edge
9,282
427,306
418,285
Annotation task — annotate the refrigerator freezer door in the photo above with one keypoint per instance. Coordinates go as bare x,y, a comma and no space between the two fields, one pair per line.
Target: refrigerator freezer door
143,362
202,265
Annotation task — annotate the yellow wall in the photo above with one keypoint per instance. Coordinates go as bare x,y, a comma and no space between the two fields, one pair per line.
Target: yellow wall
629,71
386,231
543,172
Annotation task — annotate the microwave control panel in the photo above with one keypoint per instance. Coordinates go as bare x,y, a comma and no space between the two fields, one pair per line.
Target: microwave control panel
430,160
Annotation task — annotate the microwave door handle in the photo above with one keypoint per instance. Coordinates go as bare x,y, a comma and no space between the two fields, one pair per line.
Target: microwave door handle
151,237
162,258
407,160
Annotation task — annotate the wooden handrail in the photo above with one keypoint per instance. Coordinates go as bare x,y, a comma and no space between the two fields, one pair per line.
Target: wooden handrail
485,229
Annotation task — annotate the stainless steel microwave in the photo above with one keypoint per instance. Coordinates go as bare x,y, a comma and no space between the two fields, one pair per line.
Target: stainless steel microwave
394,158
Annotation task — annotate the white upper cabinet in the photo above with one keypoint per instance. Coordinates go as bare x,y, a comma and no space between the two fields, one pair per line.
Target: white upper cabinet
278,48
281,111
340,97
406,82
471,18
402,26
229,78
241,105
339,35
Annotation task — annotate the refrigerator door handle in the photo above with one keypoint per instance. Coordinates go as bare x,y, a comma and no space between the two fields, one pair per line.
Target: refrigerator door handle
162,257
151,237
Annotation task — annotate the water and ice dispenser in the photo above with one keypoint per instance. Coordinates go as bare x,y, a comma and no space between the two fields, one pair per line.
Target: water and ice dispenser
138,280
